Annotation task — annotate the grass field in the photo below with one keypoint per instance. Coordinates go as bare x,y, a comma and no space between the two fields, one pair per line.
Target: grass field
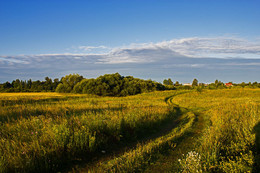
173,131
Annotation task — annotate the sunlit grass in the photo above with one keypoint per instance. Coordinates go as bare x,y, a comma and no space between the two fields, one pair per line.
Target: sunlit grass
229,142
45,131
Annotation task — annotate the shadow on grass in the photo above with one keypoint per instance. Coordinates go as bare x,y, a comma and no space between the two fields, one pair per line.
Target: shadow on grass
168,160
65,161
29,101
15,115
256,166
116,149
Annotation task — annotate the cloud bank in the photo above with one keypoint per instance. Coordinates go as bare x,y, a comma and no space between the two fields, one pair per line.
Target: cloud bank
227,59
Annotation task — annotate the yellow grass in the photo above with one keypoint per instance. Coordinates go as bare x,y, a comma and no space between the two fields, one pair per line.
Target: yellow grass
45,131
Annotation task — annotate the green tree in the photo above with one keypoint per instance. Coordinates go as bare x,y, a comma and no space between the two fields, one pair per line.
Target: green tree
29,84
195,83
61,88
55,83
48,84
36,86
243,84
170,82
216,83
68,82
255,84
165,82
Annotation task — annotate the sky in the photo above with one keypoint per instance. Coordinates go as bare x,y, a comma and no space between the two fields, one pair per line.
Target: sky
149,39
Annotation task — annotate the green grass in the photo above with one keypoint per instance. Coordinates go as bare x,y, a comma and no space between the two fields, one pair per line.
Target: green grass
50,132
228,144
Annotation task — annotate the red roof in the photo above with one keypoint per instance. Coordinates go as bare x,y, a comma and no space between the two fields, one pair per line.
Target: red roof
228,84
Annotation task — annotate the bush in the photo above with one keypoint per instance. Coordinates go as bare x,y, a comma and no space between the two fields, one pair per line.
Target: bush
107,85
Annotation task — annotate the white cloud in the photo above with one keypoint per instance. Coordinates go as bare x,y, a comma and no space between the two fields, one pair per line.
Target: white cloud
215,47
88,48
207,47
190,65
165,51
188,56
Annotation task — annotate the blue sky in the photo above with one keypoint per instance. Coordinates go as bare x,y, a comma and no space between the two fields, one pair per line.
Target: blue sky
144,38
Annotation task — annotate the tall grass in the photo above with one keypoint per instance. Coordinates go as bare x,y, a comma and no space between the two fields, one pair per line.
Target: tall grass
45,132
51,131
229,143
137,160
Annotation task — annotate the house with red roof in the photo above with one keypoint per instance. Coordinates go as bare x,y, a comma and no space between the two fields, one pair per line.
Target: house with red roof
229,84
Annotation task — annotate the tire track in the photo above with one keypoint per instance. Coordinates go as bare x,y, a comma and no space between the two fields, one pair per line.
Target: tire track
169,162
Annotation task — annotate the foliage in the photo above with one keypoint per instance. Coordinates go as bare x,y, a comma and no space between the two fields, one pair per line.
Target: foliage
68,82
199,89
30,86
167,81
195,82
112,85
177,83
106,85
109,85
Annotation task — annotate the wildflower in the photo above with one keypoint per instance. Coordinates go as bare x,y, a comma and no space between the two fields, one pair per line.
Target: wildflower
191,162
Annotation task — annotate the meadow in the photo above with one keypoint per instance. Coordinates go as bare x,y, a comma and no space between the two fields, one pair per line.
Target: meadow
187,131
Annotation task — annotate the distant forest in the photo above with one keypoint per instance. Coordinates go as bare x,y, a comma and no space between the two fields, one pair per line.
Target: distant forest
109,85
106,85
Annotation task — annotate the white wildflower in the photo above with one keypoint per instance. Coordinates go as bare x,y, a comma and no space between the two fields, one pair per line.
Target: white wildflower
191,162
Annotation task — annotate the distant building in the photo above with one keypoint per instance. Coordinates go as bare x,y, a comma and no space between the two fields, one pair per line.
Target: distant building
228,84
186,84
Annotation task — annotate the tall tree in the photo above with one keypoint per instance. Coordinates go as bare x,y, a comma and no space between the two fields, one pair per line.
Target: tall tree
216,83
29,84
195,83
170,82
165,82
68,83
48,84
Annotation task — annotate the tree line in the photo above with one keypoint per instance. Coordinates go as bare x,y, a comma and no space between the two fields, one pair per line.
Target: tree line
106,85
215,85
109,85
18,85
